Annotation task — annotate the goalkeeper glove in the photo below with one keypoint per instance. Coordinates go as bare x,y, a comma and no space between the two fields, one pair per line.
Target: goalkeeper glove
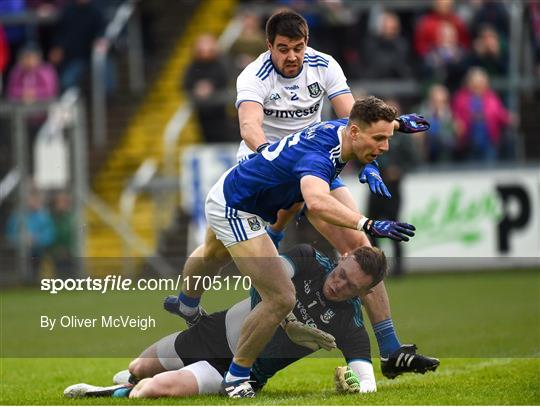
345,380
387,228
412,123
372,176
305,335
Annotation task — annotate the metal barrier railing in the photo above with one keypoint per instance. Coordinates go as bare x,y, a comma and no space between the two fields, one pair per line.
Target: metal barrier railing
67,112
126,17
67,119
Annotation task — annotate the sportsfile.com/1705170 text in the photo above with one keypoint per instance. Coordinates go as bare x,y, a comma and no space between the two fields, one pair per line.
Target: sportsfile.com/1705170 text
119,283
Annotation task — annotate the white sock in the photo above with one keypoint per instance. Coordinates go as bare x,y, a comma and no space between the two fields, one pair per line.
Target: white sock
232,378
187,310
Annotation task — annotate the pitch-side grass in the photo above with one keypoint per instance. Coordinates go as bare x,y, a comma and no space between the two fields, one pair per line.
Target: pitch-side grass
309,382
485,327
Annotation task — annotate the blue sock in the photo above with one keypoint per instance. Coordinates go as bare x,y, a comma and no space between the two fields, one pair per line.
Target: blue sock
386,337
122,392
275,236
237,372
189,301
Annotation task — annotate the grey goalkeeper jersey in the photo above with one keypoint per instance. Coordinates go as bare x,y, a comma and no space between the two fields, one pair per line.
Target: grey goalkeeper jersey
341,319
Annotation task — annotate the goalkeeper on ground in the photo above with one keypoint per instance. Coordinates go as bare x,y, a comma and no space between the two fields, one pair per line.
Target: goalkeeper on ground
327,314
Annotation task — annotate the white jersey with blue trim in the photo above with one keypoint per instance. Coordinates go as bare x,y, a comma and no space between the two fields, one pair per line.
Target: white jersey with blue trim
270,181
289,104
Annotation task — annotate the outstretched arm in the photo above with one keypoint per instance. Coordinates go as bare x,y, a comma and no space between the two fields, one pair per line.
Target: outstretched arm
316,194
250,117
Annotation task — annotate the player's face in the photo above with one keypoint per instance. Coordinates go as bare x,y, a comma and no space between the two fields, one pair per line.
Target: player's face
370,142
288,54
346,281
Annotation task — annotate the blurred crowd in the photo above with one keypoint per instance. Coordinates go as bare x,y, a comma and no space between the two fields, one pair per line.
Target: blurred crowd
45,49
51,51
452,51
46,227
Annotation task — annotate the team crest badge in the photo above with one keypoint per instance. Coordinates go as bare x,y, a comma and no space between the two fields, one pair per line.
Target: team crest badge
254,224
327,316
314,89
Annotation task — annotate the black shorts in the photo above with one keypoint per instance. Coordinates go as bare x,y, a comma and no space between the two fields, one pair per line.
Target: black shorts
207,340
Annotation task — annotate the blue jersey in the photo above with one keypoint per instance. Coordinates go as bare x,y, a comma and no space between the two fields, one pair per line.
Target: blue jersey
270,181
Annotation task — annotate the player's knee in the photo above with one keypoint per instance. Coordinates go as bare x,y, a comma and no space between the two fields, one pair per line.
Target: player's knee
138,368
214,249
283,303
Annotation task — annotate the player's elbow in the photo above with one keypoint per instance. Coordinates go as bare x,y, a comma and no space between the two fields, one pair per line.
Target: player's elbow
315,205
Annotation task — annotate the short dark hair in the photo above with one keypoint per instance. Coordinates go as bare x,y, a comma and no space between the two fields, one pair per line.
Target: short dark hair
370,110
372,261
289,24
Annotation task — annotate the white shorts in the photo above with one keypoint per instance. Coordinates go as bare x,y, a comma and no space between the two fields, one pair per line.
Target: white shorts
243,152
207,376
230,225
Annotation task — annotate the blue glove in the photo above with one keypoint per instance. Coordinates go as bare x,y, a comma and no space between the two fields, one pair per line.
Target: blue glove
372,176
390,229
412,123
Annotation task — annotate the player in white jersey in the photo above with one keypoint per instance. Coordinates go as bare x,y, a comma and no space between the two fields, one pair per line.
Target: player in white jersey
281,92
290,104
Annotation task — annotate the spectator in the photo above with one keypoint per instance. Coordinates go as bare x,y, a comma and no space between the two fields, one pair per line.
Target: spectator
63,249
480,118
534,13
36,229
439,141
489,52
250,43
337,21
81,24
206,83
445,63
32,80
386,55
46,10
15,33
428,29
492,13
4,56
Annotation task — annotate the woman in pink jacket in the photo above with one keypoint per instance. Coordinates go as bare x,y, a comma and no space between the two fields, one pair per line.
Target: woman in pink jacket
31,79
480,117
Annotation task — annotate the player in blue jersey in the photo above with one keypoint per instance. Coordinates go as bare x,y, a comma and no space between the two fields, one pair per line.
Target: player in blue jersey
298,168
192,362
282,92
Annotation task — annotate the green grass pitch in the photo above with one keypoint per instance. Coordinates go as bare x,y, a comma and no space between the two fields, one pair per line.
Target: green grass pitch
485,327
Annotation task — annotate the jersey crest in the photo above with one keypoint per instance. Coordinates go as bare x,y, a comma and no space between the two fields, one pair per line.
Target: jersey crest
254,223
314,89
